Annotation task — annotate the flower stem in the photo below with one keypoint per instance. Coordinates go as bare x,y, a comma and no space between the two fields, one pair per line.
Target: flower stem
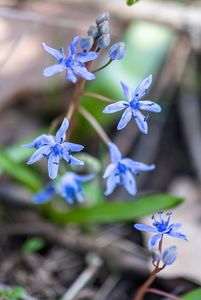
94,124
100,97
103,67
162,293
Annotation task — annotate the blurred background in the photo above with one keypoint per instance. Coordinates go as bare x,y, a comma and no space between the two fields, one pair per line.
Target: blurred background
162,38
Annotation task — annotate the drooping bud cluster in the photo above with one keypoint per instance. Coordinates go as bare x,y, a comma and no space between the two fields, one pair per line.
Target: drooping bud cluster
100,32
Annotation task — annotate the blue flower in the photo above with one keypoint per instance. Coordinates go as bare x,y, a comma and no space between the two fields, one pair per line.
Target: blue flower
160,227
133,106
121,170
74,64
117,51
69,186
54,148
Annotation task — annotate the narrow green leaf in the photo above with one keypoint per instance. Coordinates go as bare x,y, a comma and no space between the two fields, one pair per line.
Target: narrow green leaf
131,2
116,211
20,172
194,295
33,245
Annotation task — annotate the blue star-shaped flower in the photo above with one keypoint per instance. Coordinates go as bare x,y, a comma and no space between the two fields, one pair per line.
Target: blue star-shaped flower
69,186
54,148
161,227
74,64
121,170
133,105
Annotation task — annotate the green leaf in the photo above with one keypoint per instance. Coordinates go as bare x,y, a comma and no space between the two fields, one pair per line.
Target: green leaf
194,295
17,293
113,212
21,173
131,2
33,245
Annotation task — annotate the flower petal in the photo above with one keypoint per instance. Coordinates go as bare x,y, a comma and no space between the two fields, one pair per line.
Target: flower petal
149,106
129,183
174,227
153,242
146,228
42,140
61,133
87,56
84,178
75,161
136,166
114,107
44,195
54,69
54,52
70,76
53,165
82,72
142,88
177,235
38,154
111,184
110,170
72,147
72,47
126,90
115,154
141,121
125,118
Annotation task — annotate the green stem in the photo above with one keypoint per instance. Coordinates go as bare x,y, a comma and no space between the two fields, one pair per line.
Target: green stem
94,124
103,67
99,97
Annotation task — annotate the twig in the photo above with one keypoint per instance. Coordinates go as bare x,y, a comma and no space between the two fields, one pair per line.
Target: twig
85,277
100,97
107,287
162,293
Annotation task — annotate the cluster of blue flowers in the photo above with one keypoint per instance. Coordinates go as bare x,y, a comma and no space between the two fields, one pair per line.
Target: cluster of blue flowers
160,228
121,171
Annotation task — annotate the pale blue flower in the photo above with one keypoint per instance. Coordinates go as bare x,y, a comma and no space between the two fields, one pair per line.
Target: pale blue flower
55,148
74,64
133,106
121,171
69,187
160,227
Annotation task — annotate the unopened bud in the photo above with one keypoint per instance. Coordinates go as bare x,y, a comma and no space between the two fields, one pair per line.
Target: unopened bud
117,51
102,17
86,42
169,255
155,257
104,41
103,28
92,31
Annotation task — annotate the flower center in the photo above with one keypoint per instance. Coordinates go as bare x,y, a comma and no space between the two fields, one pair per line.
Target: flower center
122,168
57,149
161,226
135,104
69,62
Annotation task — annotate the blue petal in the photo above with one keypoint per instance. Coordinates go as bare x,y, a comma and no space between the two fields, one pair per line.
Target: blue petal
38,154
72,147
174,227
146,228
61,133
79,196
111,184
169,255
110,170
84,178
44,195
141,121
142,88
115,154
125,118
111,108
136,166
126,90
73,46
54,69
129,183
177,235
87,56
53,165
153,242
54,52
42,140
82,72
70,76
149,106
75,161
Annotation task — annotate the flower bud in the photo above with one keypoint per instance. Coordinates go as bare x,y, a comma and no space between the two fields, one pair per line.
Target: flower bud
104,41
92,31
103,28
169,255
155,257
117,51
102,17
86,42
